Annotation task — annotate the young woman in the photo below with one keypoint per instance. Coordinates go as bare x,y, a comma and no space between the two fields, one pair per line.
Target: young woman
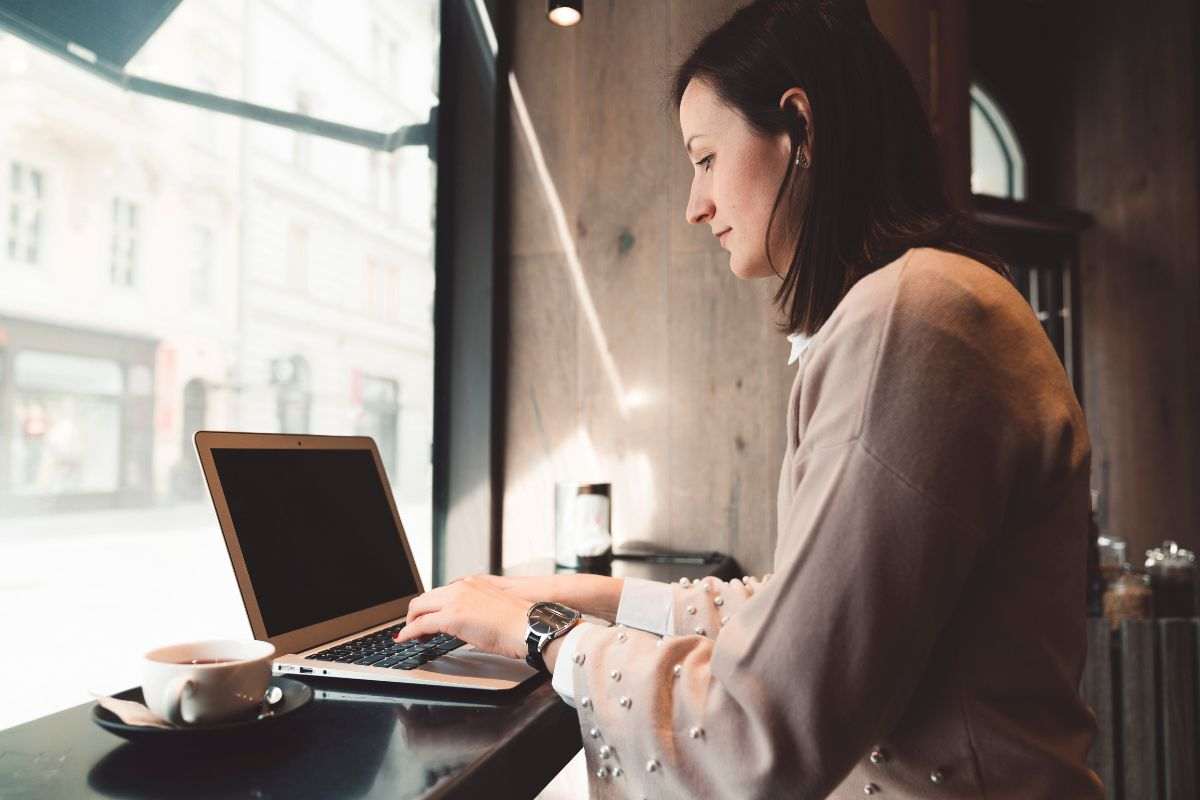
922,634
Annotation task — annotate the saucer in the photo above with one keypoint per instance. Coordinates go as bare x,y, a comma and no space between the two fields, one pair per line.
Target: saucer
296,695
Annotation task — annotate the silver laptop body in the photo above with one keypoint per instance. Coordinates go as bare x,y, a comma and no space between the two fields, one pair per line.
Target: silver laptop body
321,557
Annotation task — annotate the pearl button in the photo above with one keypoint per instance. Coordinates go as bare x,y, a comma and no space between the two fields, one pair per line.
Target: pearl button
725,619
937,776
594,733
870,788
616,772
878,756
586,702
652,765
690,609
696,732
615,674
602,773
718,601
624,702
678,670
706,586
745,579
606,752
684,582
699,631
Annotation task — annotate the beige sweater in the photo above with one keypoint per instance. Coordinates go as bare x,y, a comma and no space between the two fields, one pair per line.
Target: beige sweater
922,633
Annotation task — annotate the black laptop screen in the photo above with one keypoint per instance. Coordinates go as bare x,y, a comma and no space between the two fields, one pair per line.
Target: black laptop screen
316,531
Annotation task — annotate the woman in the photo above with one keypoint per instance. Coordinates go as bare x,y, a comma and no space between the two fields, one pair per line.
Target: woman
922,634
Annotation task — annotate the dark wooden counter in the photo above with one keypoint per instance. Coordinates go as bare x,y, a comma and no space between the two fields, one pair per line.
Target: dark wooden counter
353,741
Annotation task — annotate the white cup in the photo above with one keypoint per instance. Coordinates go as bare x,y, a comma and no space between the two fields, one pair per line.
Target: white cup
202,683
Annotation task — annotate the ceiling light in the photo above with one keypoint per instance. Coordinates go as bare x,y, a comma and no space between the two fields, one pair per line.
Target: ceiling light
565,12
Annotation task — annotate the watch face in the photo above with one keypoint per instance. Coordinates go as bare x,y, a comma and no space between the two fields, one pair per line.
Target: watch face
545,618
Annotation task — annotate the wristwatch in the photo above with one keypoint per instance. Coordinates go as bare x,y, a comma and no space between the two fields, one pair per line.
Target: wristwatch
547,622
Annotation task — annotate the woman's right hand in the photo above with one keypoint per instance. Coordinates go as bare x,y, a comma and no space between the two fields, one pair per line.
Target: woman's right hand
595,595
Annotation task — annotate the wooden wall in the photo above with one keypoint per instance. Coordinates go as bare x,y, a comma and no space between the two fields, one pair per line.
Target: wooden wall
635,356
642,361
1135,161
1104,98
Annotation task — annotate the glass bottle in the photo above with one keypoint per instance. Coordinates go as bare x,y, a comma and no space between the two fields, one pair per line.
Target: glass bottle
1129,596
1172,571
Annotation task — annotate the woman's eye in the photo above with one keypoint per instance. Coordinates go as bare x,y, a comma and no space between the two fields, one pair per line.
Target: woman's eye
705,162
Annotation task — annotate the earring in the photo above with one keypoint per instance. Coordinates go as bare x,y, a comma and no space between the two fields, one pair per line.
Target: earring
801,160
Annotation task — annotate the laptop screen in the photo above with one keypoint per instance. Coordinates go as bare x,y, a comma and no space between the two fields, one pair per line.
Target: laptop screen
316,531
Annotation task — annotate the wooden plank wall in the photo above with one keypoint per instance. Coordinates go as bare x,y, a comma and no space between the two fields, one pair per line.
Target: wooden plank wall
635,356
1136,169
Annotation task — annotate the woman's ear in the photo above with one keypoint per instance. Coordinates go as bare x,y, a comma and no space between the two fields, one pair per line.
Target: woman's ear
795,101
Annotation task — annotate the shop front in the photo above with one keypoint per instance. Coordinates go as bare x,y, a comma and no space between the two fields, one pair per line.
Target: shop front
76,409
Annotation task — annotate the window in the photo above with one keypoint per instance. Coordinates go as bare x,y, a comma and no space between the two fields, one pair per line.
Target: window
297,257
300,143
374,181
245,254
379,415
393,187
997,161
66,436
25,207
383,290
123,248
293,393
202,265
385,58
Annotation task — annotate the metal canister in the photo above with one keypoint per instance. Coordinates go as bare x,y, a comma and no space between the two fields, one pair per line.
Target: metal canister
583,525
1129,596
1112,556
1173,577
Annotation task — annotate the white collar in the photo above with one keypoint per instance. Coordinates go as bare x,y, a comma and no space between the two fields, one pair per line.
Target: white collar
799,345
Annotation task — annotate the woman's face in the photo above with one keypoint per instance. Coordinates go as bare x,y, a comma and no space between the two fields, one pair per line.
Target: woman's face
736,174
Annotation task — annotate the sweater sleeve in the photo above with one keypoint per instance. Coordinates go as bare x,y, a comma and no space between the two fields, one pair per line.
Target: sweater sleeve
690,606
816,664
905,438
650,606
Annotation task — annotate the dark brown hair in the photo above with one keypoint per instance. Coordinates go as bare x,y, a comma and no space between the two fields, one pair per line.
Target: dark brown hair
875,187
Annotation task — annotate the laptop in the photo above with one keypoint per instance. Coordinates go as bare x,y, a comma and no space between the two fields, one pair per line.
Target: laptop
324,567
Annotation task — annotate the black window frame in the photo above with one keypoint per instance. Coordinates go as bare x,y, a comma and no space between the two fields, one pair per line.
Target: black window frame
471,289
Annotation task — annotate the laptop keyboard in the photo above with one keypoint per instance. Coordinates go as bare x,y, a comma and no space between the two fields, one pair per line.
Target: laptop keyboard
379,650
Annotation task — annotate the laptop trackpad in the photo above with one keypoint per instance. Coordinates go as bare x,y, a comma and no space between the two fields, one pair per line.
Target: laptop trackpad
469,662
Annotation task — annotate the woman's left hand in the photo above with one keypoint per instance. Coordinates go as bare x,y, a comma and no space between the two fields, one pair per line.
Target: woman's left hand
470,609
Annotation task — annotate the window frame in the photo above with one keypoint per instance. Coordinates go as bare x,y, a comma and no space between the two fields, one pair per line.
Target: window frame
19,236
471,289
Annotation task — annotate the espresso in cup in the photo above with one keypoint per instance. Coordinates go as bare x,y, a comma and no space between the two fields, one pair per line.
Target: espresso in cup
204,683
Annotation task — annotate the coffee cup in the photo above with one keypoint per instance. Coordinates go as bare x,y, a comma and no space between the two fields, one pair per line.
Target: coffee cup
203,683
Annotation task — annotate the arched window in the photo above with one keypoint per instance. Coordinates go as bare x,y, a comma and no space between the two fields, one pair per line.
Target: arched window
997,161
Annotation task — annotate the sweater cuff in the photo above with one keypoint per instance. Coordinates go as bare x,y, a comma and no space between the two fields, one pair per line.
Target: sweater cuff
647,606
563,680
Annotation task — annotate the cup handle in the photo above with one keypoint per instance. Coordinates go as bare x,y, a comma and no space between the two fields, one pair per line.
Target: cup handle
176,697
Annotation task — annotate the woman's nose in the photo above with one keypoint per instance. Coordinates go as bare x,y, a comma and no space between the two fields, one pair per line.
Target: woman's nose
699,208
